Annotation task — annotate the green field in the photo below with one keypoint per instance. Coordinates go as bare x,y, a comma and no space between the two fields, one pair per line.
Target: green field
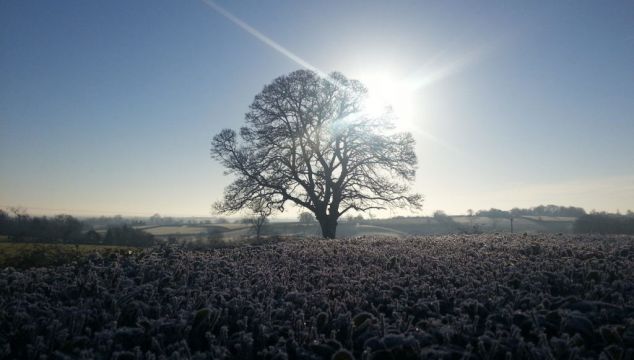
176,230
184,230
550,218
35,254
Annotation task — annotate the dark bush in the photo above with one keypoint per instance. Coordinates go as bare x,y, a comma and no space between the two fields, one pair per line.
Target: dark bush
127,235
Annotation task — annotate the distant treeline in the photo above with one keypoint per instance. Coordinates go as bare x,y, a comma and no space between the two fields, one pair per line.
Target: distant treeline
65,229
541,210
156,219
603,223
107,221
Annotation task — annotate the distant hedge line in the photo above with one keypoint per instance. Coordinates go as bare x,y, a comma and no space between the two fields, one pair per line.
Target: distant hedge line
604,224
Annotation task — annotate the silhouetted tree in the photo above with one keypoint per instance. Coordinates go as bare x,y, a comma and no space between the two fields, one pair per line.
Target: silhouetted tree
493,213
261,209
155,219
92,237
18,211
308,142
470,214
5,221
541,210
358,218
69,229
306,218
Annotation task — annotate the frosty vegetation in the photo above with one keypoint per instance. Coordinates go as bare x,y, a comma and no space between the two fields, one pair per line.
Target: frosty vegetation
454,297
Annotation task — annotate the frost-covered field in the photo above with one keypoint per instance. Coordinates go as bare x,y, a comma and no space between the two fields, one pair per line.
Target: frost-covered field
458,297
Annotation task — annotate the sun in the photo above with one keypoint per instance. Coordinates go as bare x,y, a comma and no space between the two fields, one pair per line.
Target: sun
387,93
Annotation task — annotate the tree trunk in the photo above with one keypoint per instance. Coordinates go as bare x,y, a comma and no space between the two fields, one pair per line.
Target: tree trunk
328,226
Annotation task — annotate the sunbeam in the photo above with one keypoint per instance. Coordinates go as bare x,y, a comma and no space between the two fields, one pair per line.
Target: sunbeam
438,69
263,38
398,95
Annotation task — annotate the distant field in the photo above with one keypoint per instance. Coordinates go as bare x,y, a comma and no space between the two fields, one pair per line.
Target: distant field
390,227
145,227
176,230
550,218
230,226
182,230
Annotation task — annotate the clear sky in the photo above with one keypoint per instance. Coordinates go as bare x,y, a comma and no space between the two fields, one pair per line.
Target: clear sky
108,107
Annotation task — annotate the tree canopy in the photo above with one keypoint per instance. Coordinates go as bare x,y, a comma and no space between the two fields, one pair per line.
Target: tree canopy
308,141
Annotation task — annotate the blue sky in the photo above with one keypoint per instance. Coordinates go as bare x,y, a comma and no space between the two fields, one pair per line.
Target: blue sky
109,107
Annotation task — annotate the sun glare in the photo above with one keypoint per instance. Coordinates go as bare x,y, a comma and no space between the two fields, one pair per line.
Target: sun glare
387,93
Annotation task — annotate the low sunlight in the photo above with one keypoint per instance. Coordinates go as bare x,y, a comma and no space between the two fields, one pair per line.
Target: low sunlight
387,93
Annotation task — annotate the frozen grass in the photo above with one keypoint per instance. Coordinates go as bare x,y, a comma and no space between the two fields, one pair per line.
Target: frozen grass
454,297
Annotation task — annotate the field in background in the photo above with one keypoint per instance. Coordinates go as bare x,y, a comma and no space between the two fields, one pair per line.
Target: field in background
165,231
397,227
202,233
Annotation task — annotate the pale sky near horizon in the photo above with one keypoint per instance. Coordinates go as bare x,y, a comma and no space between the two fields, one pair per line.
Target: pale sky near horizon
109,107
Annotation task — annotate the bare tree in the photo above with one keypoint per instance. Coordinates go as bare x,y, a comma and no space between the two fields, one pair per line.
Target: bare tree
261,210
308,141
18,211
306,218
155,219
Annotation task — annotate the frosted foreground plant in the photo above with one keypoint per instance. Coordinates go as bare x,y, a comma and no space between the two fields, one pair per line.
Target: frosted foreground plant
462,297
